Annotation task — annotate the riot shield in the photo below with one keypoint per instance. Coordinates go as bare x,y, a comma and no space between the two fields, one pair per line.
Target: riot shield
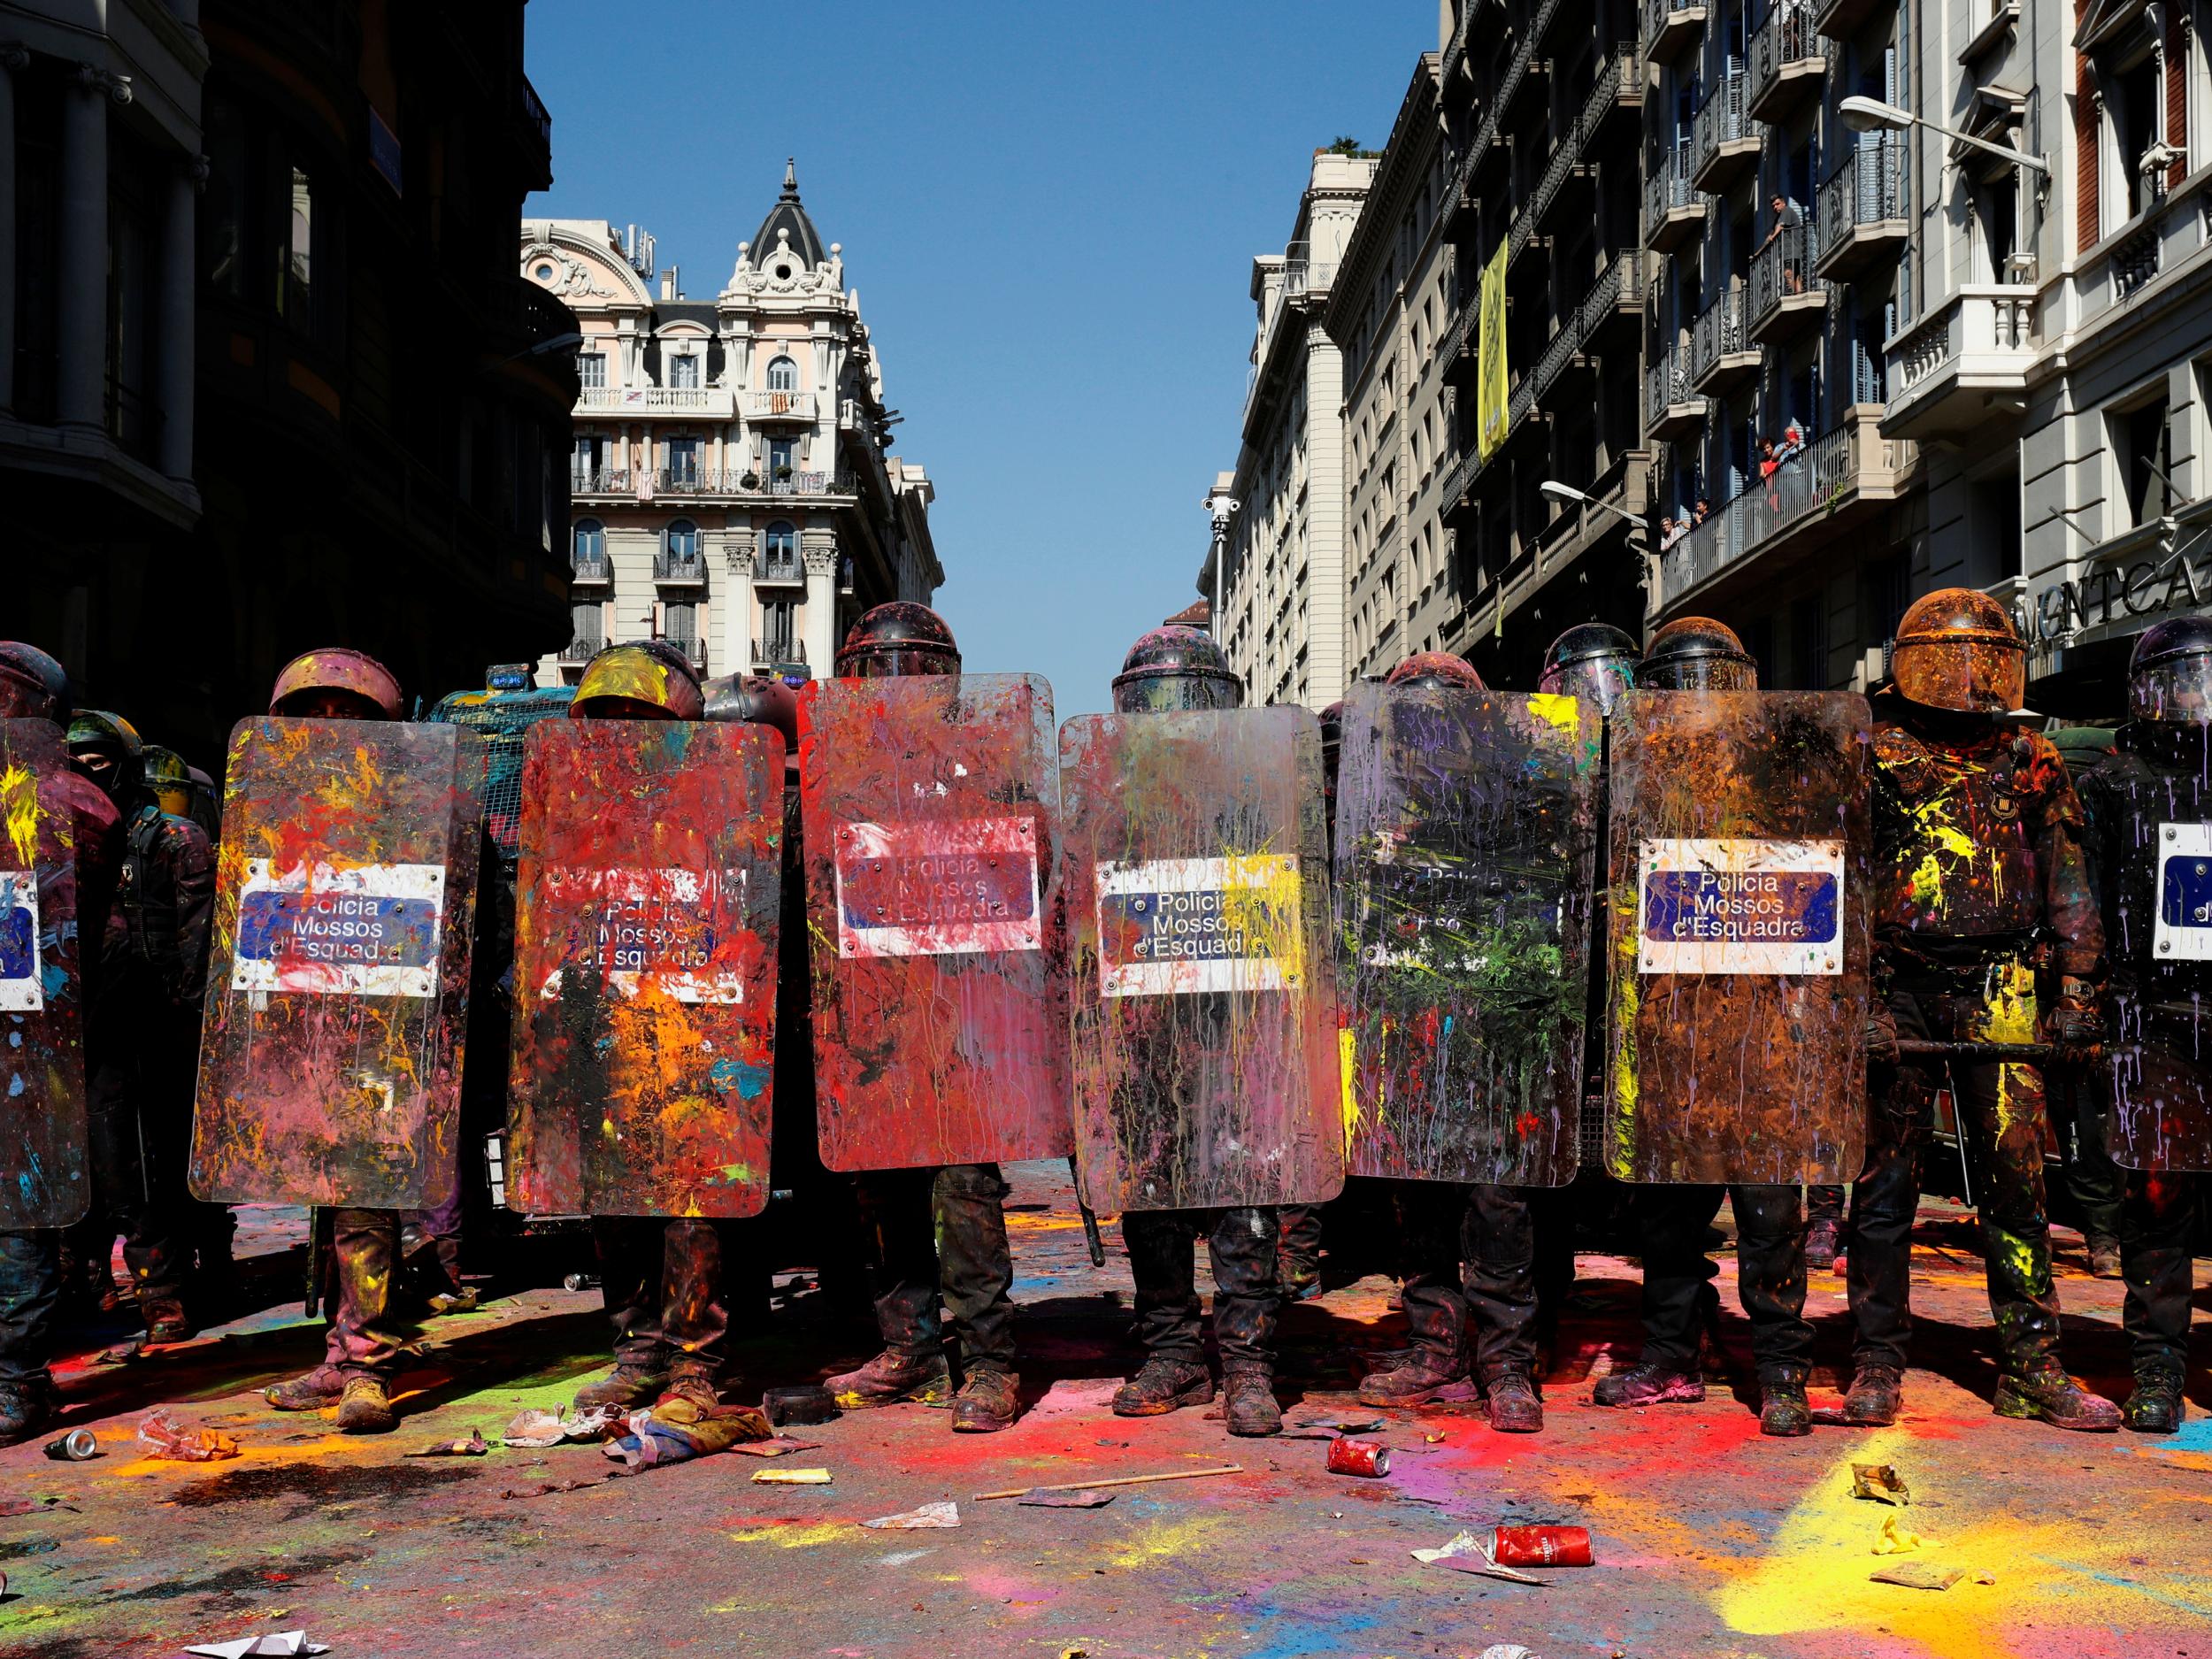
43,1175
331,1043
932,826
1465,845
645,967
1203,1001
2158,1093
1738,984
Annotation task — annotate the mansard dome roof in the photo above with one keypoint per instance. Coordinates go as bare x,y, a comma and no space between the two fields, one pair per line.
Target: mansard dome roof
789,214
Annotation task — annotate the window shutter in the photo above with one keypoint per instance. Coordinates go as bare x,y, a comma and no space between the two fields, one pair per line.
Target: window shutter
2085,141
2177,94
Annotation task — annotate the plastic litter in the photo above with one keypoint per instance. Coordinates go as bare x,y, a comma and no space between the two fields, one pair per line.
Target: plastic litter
1508,1650
1880,1482
475,1446
280,1645
791,1477
945,1514
161,1435
1896,1541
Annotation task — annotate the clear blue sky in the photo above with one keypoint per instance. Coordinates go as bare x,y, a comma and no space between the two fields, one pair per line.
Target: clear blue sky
1049,211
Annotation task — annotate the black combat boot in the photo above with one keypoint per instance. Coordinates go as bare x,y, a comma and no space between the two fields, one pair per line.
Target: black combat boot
988,1400
24,1409
625,1386
1876,1396
1822,1239
1513,1403
1161,1385
696,1383
165,1320
2155,1407
1249,1400
365,1408
1649,1386
2058,1399
310,1391
1784,1411
1423,1378
891,1376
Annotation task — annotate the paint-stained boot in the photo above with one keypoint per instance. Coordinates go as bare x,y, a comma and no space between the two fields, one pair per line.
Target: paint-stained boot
695,1383
1784,1411
1423,1378
988,1400
2104,1257
24,1409
623,1385
1648,1386
1161,1385
1248,1403
365,1408
1876,1396
1822,1240
892,1377
310,1391
165,1320
2155,1407
1514,1405
2059,1400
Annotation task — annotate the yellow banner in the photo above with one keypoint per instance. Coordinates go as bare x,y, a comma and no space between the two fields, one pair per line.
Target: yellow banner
1490,382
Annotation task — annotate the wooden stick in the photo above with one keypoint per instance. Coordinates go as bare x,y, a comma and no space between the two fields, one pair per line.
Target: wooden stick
1124,1480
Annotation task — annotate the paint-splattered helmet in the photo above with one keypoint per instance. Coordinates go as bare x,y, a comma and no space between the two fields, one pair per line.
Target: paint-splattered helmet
896,640
33,686
1436,671
1697,653
1592,661
1957,649
1176,667
2170,675
108,750
336,673
635,682
168,778
755,700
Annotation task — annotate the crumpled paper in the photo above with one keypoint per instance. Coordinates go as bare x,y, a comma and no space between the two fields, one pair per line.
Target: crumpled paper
678,1430
1880,1482
161,1435
282,1645
537,1428
946,1514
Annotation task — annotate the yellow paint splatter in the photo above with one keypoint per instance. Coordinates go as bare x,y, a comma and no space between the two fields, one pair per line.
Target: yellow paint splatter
19,805
1562,713
1348,1075
1163,1540
795,1537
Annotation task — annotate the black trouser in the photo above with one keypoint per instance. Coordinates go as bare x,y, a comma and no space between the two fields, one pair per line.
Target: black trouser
664,1283
942,1233
1163,1259
2167,1070
1824,1204
1678,1294
136,1183
30,1286
1469,1251
1301,1238
2001,1111
2095,1181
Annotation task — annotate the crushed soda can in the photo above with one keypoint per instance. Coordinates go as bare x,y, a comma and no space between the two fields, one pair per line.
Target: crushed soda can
1541,1547
76,1446
1349,1456
1880,1482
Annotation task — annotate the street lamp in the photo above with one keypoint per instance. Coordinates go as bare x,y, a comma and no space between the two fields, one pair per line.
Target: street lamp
1571,497
1864,114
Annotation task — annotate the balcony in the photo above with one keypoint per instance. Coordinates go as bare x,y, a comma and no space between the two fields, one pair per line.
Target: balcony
1946,373
768,408
581,649
780,652
1721,352
537,127
1617,90
694,650
1839,20
1788,61
590,570
1670,408
631,484
1457,350
1674,208
1671,26
679,570
1726,139
1842,479
711,402
780,569
1862,210
1787,299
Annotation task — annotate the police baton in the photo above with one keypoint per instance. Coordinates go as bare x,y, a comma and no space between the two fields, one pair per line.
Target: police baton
1999,1053
1090,1218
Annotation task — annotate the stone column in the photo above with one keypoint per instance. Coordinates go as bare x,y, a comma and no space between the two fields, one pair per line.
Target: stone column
821,605
174,385
13,61
80,304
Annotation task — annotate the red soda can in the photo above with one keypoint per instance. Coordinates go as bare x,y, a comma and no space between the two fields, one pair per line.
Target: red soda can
1349,1456
1541,1547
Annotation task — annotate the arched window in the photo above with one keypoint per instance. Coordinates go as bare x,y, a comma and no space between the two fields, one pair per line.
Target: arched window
780,540
783,375
588,542
681,538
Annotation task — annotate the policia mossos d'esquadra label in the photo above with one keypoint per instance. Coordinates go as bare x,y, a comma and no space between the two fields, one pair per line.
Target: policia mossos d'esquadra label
1739,906
1171,926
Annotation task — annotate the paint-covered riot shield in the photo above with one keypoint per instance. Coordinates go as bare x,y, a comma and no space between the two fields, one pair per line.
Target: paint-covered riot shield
645,967
330,1047
1738,985
2155,1082
42,1179
1202,995
932,825
1466,838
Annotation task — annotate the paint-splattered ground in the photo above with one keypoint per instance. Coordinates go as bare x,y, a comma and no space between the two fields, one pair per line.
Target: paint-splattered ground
1710,1540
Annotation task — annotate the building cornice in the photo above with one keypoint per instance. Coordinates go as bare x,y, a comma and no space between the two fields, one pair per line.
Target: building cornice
1378,218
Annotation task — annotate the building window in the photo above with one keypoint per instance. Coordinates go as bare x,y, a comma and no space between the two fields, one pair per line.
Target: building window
683,372
780,540
779,629
2144,440
683,462
783,375
585,622
591,369
682,540
586,461
681,623
783,457
295,290
2135,126
590,540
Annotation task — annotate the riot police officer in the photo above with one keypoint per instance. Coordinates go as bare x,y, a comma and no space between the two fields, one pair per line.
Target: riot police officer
366,1336
35,686
2141,799
1983,907
1695,653
1169,669
663,1280
939,1233
1298,1257
1593,662
153,971
1482,1231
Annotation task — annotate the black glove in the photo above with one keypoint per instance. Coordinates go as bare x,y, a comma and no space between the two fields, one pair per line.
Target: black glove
2078,1017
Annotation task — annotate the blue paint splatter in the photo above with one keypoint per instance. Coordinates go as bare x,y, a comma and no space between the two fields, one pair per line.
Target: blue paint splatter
745,1080
16,1085
55,979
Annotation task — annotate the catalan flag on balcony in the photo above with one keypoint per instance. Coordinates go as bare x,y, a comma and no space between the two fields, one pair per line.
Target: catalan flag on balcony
1490,378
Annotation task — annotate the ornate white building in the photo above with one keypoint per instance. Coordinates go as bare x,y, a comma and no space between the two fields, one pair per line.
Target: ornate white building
731,484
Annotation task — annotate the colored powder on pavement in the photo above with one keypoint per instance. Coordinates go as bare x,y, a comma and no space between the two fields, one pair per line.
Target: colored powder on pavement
797,1536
